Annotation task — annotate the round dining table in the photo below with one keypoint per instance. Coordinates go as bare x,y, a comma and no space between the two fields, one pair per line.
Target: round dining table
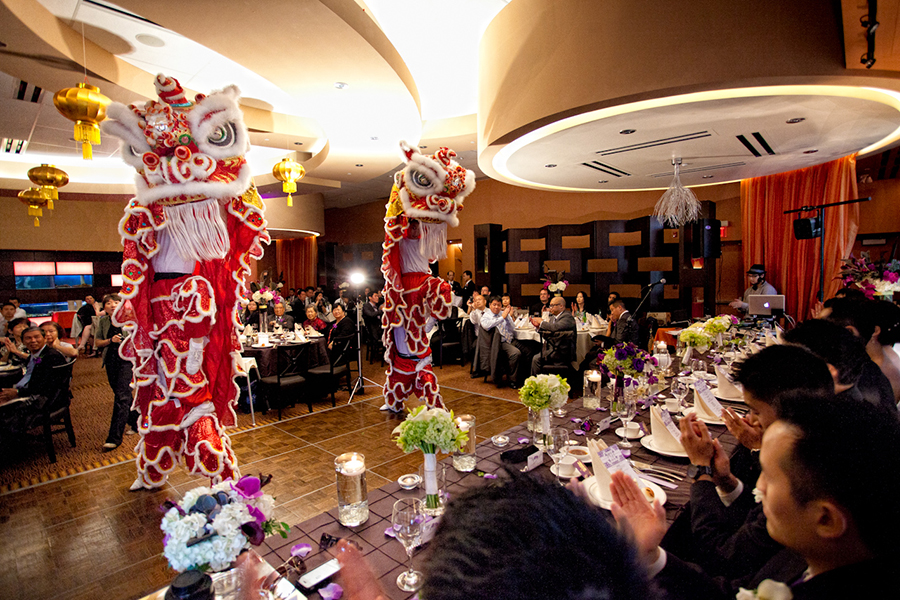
267,357
583,341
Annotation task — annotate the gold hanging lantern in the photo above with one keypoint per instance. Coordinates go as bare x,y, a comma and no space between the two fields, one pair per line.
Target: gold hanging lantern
35,201
48,179
289,172
86,106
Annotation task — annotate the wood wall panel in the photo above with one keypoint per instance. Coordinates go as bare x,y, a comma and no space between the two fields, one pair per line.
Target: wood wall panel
574,288
629,238
670,236
531,289
626,290
367,255
603,265
520,268
671,292
533,245
559,265
654,263
573,242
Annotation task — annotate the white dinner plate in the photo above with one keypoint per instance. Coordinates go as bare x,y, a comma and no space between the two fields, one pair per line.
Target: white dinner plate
647,442
262,345
728,398
593,490
690,409
620,431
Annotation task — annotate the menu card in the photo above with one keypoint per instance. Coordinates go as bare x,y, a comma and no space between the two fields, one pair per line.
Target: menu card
708,399
671,427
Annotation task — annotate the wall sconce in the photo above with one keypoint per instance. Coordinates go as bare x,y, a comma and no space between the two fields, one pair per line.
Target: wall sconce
697,263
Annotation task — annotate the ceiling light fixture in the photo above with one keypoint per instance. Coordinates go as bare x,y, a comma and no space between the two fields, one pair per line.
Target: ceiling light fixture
341,85
603,181
423,147
358,165
289,172
298,143
795,120
810,151
678,205
708,176
149,40
48,179
550,166
627,131
35,201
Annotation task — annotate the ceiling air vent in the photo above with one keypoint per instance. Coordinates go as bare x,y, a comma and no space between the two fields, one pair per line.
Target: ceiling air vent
12,146
760,140
660,142
27,92
604,168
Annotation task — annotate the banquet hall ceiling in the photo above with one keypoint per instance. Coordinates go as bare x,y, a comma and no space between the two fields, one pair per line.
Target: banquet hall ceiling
337,83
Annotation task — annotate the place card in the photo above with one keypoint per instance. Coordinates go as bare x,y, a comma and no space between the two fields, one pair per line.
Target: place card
613,459
670,424
603,424
428,529
707,396
535,459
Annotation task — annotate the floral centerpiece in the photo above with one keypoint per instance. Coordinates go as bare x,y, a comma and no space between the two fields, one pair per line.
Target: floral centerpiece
264,296
555,282
768,590
430,430
872,277
631,361
696,338
211,526
540,393
719,325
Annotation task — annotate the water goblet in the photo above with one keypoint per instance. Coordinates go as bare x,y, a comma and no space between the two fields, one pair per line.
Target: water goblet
559,447
679,390
407,519
627,411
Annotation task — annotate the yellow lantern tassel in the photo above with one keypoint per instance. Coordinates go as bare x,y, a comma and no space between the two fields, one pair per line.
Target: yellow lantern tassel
290,201
289,187
87,134
36,222
50,204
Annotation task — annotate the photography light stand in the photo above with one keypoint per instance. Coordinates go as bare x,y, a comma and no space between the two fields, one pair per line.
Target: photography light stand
359,385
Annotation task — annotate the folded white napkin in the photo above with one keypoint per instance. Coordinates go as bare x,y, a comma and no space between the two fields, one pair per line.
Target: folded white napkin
726,388
702,409
600,471
662,439
248,330
770,339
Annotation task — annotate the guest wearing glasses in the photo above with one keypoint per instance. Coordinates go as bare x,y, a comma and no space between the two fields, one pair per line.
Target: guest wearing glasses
279,318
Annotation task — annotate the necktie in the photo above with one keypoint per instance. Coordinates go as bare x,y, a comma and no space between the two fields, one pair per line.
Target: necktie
28,370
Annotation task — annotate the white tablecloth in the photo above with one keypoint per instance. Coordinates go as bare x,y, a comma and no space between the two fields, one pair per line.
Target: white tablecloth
583,341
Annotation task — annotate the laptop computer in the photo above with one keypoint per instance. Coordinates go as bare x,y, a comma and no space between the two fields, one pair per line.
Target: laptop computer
765,306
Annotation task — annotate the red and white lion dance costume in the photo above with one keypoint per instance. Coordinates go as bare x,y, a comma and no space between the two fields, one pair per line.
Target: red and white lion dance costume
425,198
188,236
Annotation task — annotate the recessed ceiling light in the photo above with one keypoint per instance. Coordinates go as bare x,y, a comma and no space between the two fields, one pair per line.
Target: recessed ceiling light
423,147
550,166
374,138
298,143
708,176
810,151
627,131
149,40
358,165
603,181
795,120
267,139
341,85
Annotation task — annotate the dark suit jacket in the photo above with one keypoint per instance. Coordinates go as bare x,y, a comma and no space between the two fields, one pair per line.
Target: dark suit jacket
286,321
48,376
875,387
467,291
626,329
343,329
554,351
537,309
371,311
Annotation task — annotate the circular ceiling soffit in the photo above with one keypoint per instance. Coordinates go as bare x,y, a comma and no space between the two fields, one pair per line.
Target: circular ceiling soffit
730,134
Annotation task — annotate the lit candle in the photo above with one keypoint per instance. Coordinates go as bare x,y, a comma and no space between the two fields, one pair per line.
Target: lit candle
353,467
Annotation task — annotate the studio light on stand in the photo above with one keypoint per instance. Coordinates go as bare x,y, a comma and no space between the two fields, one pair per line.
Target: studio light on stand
357,278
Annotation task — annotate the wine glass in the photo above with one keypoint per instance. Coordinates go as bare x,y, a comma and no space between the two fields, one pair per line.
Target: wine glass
407,520
558,441
627,411
679,390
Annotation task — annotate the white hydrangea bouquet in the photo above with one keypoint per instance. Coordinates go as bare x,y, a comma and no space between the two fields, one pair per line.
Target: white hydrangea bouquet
263,296
430,430
211,526
542,392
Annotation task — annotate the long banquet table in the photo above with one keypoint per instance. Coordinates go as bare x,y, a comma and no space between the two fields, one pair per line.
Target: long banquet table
387,556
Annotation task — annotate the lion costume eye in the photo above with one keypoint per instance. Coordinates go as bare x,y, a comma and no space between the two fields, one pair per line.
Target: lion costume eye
421,179
222,136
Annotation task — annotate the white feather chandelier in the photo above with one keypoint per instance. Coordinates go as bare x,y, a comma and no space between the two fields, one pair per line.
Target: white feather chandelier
678,206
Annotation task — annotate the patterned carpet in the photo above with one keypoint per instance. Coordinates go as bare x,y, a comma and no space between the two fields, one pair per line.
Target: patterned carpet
92,409
91,413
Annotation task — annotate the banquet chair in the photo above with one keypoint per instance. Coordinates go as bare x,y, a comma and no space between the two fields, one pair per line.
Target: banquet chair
291,366
375,343
327,377
559,346
55,416
248,363
449,337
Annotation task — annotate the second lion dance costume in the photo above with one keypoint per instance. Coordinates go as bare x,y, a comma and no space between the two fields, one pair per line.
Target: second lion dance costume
425,198
188,235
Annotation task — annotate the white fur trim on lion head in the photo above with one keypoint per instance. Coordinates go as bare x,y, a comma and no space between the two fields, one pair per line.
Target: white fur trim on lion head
433,187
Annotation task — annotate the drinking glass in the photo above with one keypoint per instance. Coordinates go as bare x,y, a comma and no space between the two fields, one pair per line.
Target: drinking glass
407,520
627,411
679,390
559,447
698,367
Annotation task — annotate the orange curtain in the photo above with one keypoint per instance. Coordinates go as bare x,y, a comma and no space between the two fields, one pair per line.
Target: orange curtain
768,233
297,259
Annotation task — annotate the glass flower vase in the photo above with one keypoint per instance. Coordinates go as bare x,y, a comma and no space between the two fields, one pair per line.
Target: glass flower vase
433,505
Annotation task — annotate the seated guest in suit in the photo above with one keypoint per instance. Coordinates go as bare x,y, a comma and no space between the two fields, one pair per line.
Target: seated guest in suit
342,329
250,316
543,305
279,318
52,331
372,308
723,529
298,305
625,329
476,309
499,317
855,375
558,320
21,405
15,352
817,484
313,322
